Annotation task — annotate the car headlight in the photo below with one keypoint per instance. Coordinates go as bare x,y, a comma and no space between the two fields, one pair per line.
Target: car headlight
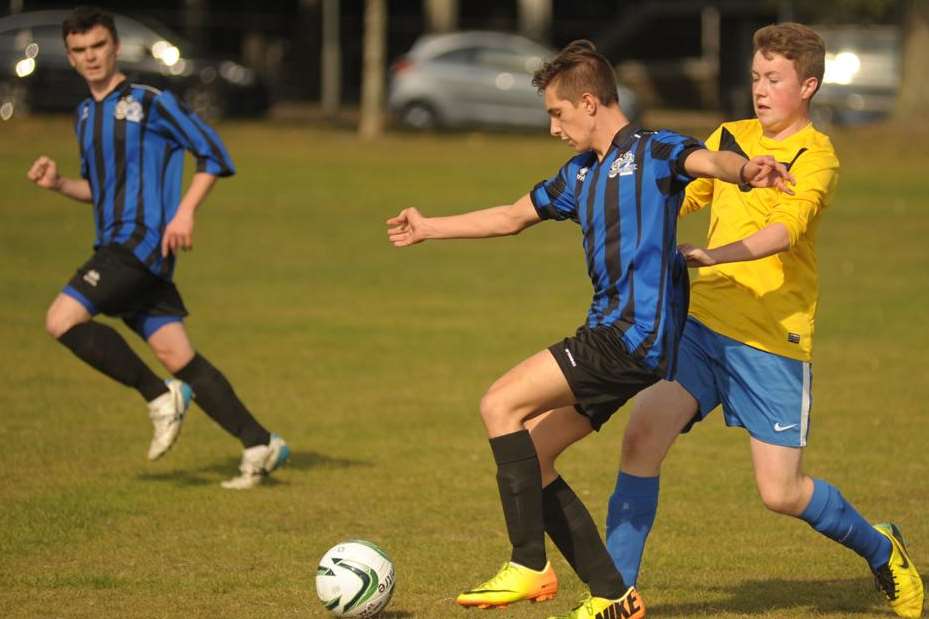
166,53
841,68
25,67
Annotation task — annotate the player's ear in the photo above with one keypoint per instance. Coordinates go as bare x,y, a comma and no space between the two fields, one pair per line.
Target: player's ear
589,103
808,87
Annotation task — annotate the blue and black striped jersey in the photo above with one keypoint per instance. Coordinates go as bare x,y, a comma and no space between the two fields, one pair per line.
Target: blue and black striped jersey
627,206
132,146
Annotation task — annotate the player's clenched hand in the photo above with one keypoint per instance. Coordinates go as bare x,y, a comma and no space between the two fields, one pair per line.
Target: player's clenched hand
407,228
179,234
695,256
765,171
44,173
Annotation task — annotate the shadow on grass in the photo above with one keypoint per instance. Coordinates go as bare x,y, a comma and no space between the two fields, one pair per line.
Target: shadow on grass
853,596
208,475
394,614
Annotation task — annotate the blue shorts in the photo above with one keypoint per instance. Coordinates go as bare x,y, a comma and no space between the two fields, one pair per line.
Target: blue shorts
767,394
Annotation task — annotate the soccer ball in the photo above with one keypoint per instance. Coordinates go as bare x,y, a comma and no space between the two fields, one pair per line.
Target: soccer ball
355,579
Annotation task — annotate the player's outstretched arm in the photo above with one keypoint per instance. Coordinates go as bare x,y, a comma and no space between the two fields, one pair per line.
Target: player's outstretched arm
770,240
179,233
44,173
762,171
410,227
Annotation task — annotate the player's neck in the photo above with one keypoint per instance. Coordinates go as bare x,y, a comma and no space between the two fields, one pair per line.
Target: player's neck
787,128
100,89
612,121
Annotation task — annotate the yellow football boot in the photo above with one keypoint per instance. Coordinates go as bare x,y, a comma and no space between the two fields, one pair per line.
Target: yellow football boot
629,606
513,583
898,579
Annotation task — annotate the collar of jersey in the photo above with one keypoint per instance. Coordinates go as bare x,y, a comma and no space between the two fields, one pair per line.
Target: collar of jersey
119,90
624,136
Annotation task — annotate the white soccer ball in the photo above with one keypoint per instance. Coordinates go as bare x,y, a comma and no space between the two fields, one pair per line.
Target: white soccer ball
355,579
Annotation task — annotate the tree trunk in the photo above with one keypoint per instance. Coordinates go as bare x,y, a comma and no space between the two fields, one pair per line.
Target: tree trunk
914,88
535,19
441,15
372,75
195,22
331,86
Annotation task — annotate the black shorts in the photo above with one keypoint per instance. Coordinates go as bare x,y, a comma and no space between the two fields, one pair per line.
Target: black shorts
600,372
116,283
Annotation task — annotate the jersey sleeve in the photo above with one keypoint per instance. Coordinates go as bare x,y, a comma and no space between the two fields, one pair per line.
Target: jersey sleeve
669,151
699,193
182,126
817,174
554,198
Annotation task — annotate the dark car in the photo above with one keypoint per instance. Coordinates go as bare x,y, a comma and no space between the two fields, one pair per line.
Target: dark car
35,73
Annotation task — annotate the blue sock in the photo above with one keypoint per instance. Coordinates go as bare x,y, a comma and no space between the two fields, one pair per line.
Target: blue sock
629,520
833,516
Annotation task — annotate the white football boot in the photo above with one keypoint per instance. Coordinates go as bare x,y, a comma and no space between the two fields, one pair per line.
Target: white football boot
167,413
258,462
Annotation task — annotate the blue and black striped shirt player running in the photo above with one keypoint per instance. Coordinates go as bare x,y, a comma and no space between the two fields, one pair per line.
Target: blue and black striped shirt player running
627,206
132,146
132,140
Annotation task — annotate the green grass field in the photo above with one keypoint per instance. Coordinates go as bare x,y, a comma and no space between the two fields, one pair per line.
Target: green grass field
371,361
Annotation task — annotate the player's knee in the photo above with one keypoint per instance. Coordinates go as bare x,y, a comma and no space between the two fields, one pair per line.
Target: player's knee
172,359
781,499
639,445
495,408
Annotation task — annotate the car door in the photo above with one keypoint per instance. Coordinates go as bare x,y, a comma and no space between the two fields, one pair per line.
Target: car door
508,96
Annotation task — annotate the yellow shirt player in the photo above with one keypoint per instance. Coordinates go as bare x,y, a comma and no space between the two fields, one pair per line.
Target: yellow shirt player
748,341
768,303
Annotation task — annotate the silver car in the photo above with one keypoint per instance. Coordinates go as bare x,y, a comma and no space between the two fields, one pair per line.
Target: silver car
862,76
467,79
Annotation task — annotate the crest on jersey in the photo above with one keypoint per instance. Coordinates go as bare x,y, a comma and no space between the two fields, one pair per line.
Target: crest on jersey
582,174
624,165
85,111
129,109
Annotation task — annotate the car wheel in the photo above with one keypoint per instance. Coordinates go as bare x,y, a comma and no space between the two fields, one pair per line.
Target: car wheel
419,116
205,101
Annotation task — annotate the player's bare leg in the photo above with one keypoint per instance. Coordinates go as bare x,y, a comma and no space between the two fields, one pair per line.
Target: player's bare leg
783,486
63,314
531,388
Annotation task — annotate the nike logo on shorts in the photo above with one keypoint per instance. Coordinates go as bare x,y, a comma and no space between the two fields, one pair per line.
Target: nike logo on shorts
779,428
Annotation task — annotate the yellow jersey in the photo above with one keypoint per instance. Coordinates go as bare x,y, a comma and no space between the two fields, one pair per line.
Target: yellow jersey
769,303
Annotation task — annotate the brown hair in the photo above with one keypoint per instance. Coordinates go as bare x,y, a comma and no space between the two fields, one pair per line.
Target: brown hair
84,18
795,42
577,69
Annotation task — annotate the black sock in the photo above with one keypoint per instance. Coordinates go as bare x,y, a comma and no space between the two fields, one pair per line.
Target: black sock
520,484
214,394
573,531
106,351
